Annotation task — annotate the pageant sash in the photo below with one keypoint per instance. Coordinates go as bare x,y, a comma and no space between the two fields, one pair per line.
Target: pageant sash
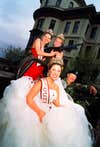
44,94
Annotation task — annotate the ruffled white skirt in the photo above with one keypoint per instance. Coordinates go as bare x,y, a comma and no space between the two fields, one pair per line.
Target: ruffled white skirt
65,126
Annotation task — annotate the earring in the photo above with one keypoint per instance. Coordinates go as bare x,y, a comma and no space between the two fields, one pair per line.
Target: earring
48,74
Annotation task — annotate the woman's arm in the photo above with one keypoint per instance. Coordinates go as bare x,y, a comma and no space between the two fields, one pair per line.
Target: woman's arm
37,46
30,100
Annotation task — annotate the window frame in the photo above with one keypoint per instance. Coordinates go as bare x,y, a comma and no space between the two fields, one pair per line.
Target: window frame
58,2
52,24
67,27
76,27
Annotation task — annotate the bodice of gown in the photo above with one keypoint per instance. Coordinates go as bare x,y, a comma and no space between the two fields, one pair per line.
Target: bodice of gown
46,106
53,95
34,52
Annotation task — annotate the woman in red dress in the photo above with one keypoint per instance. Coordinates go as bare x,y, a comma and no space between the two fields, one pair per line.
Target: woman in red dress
36,69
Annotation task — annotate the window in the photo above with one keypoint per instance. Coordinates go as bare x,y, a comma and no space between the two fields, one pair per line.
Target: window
58,2
46,2
88,51
52,24
87,30
93,32
40,23
76,27
71,5
98,55
67,27
71,42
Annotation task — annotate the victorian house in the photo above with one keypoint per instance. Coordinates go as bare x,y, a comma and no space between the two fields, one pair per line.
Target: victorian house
79,22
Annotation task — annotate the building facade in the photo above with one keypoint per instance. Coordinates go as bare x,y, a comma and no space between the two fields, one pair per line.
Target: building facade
79,22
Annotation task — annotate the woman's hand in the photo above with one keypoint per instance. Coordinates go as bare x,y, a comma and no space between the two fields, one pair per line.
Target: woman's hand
53,53
41,114
93,90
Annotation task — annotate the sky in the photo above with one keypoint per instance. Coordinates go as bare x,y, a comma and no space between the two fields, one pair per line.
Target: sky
16,20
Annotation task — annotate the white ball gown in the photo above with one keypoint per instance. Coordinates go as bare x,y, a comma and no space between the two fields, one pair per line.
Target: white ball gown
65,126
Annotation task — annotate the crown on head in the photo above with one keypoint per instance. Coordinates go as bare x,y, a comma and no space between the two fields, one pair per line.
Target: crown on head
50,31
56,61
61,36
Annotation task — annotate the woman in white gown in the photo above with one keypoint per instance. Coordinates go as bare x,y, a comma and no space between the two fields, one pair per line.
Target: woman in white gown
37,115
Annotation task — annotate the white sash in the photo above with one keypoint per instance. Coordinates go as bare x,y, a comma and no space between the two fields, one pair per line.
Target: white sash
44,94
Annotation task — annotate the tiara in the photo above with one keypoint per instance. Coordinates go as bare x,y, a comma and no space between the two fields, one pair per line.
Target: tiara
56,61
50,31
61,36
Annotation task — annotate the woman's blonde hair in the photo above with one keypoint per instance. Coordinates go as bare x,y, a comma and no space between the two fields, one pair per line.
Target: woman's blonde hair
61,36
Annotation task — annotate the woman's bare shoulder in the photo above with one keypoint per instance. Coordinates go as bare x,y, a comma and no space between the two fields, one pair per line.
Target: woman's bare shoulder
37,85
37,41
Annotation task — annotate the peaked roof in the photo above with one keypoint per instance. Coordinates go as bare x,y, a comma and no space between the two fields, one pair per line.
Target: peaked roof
75,13
81,2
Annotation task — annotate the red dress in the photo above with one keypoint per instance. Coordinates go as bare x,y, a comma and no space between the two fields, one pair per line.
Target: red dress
35,71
